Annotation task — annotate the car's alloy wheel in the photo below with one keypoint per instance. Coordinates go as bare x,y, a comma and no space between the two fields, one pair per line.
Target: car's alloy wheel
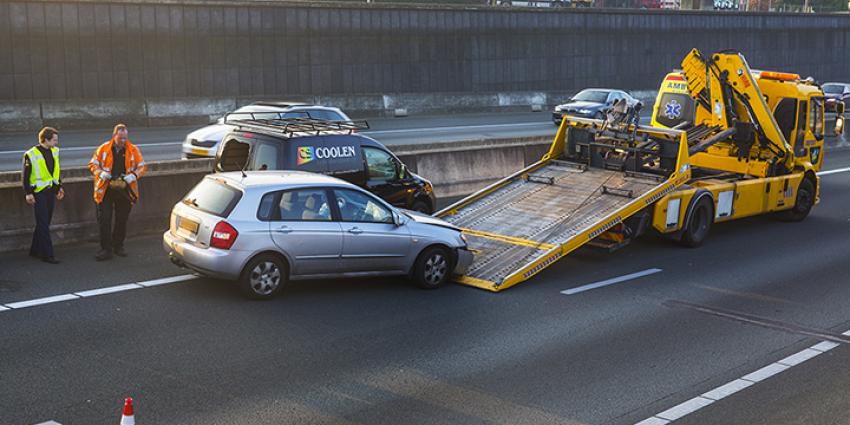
433,268
263,277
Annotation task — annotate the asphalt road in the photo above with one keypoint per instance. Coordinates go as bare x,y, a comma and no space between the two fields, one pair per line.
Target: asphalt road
163,143
379,351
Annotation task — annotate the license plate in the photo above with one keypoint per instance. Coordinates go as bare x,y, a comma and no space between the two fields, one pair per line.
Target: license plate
188,225
202,152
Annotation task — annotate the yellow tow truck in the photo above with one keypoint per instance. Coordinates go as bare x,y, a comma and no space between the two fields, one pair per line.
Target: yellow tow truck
753,147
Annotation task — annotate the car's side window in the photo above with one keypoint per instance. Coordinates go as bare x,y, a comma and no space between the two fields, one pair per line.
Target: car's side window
267,157
265,212
379,164
359,207
298,205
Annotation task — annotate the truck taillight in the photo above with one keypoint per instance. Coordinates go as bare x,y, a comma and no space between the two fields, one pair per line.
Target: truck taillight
223,235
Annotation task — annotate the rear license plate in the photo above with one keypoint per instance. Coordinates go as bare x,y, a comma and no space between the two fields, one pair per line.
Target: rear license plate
202,152
188,225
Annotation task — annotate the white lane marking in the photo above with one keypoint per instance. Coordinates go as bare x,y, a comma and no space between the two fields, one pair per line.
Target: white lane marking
108,290
837,170
42,301
573,291
96,292
728,389
765,372
797,358
49,423
653,421
739,384
457,127
92,148
685,408
167,280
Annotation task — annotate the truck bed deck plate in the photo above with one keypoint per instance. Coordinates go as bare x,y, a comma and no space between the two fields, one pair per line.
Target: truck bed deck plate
521,221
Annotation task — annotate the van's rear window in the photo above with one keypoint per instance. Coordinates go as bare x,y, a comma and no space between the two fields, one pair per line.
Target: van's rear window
213,197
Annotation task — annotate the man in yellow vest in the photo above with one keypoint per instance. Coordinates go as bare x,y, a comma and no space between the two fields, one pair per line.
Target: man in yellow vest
42,186
117,166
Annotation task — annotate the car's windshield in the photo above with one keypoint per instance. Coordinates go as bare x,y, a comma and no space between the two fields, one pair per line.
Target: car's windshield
598,96
833,88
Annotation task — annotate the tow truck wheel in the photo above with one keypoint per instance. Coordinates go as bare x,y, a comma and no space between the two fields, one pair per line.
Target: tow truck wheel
803,204
432,268
699,224
263,277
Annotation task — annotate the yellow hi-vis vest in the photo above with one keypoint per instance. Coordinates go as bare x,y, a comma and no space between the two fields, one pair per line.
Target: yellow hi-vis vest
40,177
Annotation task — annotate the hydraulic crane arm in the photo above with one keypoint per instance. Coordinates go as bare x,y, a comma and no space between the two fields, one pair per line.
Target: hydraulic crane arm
724,86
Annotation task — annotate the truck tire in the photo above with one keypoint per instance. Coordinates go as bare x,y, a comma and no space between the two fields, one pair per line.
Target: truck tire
263,277
433,268
699,224
803,203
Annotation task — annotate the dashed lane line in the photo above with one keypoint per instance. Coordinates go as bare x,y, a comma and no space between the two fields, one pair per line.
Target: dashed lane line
690,406
96,292
835,171
600,284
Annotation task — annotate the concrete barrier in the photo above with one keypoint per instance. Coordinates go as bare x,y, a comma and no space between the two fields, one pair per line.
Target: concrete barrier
455,168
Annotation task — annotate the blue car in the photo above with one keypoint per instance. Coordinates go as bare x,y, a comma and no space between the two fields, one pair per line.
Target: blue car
591,103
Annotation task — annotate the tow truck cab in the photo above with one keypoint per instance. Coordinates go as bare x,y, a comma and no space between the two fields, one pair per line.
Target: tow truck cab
797,106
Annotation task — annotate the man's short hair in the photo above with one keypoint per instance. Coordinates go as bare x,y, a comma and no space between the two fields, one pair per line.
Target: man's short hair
118,127
46,134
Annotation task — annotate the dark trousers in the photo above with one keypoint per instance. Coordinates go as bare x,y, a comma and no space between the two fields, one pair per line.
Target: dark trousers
118,206
42,245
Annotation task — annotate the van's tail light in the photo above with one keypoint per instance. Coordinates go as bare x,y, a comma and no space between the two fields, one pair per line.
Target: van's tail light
223,235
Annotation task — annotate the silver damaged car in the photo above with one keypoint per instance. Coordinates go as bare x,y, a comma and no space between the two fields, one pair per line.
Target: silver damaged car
264,228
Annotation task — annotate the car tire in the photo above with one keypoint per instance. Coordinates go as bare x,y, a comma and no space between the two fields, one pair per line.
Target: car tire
433,268
421,206
263,277
699,224
803,204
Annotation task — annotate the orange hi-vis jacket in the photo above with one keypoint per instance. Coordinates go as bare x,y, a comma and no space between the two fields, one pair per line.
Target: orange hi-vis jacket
101,166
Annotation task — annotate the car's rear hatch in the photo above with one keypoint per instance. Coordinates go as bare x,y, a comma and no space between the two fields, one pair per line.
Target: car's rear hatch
195,217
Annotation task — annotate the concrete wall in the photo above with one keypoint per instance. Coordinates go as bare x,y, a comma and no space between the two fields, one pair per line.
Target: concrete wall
156,60
455,169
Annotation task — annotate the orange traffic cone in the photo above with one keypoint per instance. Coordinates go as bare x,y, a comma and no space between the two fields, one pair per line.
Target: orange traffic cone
127,417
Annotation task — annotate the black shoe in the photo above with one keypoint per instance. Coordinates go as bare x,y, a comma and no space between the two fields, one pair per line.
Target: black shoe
103,255
50,260
120,252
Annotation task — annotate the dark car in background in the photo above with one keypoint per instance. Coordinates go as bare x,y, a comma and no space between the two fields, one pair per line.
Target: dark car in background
324,147
834,93
591,103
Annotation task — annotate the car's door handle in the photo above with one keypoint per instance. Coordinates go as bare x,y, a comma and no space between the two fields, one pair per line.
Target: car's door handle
355,230
283,229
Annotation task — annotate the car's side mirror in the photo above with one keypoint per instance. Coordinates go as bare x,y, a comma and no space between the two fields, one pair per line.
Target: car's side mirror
402,171
839,125
397,220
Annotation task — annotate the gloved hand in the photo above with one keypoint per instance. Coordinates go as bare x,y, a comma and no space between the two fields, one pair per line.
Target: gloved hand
105,176
130,178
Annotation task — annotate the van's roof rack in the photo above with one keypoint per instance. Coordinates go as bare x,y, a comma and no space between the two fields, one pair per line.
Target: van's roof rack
292,127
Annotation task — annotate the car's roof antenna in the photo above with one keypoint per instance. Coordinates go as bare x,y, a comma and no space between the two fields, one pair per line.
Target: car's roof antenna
244,167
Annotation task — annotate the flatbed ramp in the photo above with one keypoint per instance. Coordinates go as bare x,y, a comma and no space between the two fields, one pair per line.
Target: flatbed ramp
537,213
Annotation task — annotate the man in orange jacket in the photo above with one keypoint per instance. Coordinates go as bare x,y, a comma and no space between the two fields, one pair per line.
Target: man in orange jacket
117,166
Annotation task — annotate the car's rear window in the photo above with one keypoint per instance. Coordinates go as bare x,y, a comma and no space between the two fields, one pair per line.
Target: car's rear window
213,197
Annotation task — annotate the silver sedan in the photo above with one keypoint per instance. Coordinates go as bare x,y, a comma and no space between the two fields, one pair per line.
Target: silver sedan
268,227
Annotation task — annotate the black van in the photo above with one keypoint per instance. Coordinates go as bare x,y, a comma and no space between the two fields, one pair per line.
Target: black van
327,148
